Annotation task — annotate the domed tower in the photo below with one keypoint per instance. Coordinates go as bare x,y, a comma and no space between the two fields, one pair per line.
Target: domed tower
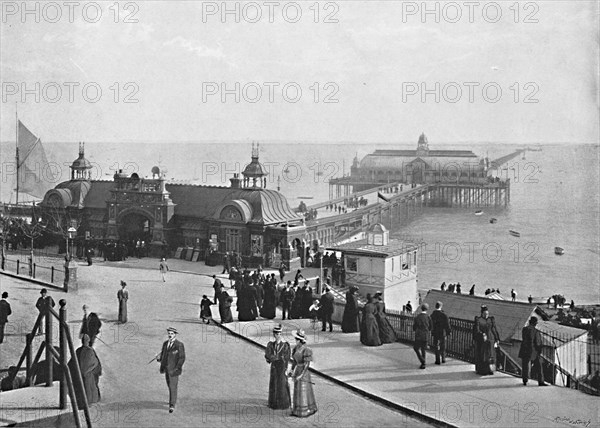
80,168
255,171
423,146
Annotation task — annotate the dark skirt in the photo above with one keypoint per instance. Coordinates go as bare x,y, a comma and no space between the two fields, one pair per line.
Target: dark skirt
484,357
279,389
350,320
225,313
369,331
386,331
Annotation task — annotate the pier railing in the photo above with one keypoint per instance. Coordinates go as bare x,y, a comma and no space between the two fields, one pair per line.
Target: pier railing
460,345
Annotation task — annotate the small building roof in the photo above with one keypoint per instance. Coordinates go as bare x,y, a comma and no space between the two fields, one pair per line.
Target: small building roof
363,248
510,317
554,334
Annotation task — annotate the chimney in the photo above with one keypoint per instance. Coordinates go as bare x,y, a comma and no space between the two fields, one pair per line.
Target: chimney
235,181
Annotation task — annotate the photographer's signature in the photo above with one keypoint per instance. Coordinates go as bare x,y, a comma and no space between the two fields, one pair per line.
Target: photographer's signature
576,422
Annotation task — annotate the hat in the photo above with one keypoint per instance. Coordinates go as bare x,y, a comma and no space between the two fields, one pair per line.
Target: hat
424,307
204,296
4,295
533,320
379,293
299,334
123,283
173,329
277,329
484,308
43,291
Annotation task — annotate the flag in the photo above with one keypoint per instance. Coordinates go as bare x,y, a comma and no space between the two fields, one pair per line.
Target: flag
33,172
380,196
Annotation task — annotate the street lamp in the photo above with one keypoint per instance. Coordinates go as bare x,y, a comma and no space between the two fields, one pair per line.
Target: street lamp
72,232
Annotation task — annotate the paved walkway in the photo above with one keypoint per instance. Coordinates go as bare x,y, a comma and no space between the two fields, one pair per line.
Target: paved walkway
451,394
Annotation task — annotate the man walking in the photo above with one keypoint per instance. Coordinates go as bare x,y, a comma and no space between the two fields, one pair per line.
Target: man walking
5,311
440,329
287,297
163,267
530,351
513,294
123,297
327,309
422,327
171,359
217,285
42,304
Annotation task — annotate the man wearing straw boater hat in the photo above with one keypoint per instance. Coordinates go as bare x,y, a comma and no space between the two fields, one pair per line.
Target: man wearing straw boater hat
171,359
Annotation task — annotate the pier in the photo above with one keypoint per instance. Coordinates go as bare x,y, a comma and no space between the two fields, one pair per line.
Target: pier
332,228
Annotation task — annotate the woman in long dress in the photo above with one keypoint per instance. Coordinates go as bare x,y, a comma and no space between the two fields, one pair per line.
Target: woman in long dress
91,370
386,331
486,338
369,329
225,302
350,318
278,355
304,398
269,301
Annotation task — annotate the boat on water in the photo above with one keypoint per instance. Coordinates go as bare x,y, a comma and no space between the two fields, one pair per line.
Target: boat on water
559,251
493,220
514,233
478,212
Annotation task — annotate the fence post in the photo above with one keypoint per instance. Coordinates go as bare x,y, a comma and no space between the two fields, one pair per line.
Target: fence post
34,270
18,269
52,274
28,359
49,356
63,353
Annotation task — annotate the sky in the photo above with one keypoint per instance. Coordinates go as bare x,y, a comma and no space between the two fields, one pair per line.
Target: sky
357,71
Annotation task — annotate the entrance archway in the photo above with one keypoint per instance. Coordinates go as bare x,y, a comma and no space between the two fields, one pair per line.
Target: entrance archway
134,227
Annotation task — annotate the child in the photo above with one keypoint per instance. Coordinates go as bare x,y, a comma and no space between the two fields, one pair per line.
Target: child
314,311
205,313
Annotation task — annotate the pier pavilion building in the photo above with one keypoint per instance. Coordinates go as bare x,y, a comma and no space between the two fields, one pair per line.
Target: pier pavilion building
245,218
420,166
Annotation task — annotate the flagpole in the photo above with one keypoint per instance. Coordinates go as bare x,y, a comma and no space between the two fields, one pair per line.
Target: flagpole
17,148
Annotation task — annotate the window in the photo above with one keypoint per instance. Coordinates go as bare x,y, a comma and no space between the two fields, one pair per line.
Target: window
352,264
233,240
404,261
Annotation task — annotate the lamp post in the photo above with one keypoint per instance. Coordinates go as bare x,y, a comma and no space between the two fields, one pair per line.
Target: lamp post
72,232
2,231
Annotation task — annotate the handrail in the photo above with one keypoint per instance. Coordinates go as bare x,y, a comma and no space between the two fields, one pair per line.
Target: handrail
60,357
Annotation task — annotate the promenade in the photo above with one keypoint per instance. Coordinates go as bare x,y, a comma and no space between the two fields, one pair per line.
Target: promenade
225,377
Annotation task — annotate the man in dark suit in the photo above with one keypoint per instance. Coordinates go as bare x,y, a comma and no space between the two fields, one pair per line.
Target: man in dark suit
171,359
327,308
287,297
530,351
42,304
5,311
422,327
90,325
440,329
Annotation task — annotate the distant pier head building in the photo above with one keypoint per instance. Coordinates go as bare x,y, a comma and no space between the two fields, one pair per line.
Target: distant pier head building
420,166
246,218
379,263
